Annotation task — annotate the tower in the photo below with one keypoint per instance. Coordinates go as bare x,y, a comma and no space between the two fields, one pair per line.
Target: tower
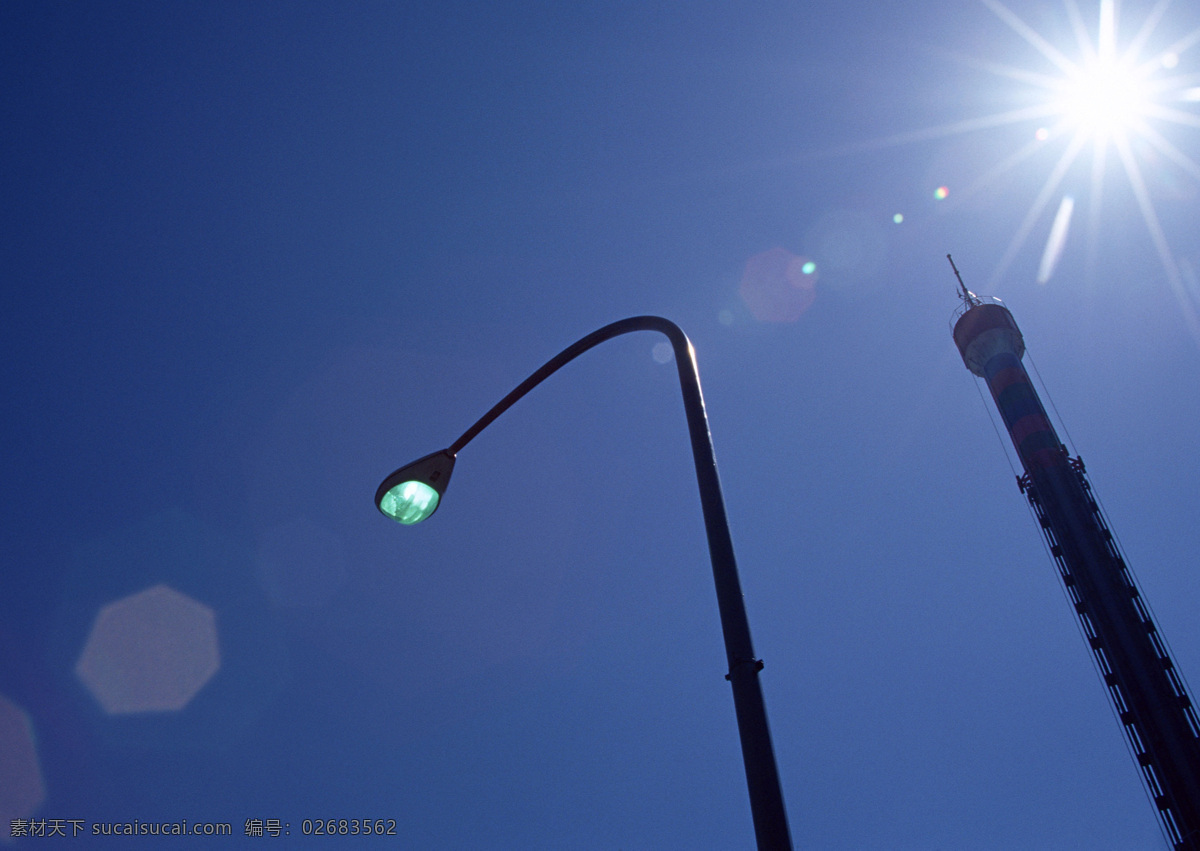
1148,694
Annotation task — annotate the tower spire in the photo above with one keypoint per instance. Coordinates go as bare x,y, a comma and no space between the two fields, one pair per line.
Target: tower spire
969,298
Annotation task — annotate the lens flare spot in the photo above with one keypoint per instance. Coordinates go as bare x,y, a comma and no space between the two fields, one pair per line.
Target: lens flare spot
898,218
151,652
662,353
21,786
1042,134
1056,240
778,286
725,317
941,193
1170,59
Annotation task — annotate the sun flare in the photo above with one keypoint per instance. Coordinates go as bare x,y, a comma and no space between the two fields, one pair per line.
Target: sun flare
1127,104
1114,97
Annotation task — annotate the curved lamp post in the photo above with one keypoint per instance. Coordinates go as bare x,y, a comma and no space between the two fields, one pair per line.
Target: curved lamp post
413,493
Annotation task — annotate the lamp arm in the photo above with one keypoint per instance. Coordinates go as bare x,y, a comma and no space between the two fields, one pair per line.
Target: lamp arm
674,333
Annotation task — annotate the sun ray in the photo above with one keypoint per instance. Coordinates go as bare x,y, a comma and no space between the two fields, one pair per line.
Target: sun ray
1001,168
1185,43
1138,44
1178,116
1030,35
1019,75
953,128
1035,210
1107,35
1164,147
1095,205
1174,87
1083,39
1150,216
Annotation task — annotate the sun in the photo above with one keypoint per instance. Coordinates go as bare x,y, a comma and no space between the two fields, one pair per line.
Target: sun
1106,98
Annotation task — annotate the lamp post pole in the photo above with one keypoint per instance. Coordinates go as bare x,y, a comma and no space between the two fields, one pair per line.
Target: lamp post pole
762,775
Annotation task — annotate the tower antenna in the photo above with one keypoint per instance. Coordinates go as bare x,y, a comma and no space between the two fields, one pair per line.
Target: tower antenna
969,298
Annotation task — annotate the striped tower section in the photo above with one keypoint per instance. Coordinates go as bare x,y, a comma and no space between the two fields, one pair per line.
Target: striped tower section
1149,696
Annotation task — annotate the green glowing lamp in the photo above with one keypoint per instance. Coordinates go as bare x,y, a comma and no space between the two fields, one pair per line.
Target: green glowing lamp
413,492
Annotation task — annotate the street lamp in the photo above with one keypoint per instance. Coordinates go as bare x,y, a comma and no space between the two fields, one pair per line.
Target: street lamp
413,492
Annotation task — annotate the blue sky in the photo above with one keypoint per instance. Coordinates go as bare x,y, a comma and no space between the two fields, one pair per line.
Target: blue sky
259,255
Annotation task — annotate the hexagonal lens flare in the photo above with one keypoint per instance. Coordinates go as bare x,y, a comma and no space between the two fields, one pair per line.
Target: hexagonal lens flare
150,652
21,787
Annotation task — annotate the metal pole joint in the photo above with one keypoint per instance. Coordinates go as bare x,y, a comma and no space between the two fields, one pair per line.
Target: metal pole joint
756,663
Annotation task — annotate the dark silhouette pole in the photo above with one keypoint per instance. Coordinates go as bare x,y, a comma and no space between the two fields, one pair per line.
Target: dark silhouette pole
762,777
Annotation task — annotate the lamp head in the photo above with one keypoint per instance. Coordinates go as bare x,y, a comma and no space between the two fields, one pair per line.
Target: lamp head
413,492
